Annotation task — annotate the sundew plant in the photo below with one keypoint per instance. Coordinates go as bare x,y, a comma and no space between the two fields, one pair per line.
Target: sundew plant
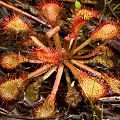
47,58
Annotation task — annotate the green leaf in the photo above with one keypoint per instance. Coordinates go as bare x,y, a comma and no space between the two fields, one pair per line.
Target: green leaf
72,84
116,7
77,4
109,1
94,113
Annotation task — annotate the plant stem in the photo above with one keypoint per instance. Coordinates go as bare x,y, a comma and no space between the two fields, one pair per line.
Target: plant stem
53,69
89,2
74,46
51,97
51,33
73,69
85,56
67,77
33,61
45,76
57,80
67,0
57,41
49,43
102,112
81,65
82,45
66,44
39,71
91,100
38,43
23,12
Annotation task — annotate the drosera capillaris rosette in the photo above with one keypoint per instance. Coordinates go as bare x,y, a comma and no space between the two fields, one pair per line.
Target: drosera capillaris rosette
50,58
